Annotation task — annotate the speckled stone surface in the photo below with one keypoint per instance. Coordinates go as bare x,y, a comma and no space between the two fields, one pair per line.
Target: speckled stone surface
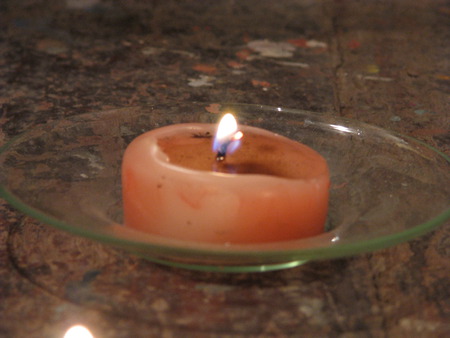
385,63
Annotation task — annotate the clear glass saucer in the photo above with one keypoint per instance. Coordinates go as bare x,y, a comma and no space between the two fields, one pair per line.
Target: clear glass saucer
386,188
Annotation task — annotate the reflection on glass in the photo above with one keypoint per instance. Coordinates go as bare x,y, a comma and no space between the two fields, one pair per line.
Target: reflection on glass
343,129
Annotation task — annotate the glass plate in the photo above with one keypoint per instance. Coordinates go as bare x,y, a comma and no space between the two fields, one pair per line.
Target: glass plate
386,188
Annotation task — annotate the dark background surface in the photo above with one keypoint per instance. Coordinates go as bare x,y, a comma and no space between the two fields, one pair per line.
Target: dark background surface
381,62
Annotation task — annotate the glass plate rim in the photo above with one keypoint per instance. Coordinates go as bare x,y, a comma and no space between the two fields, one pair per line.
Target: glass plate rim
251,250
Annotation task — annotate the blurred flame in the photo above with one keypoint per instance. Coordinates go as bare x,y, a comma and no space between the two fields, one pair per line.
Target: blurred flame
227,138
78,331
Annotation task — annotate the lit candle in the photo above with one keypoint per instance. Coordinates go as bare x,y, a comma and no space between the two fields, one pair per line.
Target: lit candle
254,186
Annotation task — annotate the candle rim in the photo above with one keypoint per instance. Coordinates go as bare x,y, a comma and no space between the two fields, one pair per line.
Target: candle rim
163,159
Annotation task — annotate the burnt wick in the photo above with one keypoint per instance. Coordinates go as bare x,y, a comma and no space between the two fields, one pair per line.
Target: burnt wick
220,157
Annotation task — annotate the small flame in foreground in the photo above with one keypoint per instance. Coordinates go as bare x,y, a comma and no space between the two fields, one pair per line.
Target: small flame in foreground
78,331
227,138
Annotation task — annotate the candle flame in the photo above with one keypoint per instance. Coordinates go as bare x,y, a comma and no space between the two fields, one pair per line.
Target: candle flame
228,137
78,331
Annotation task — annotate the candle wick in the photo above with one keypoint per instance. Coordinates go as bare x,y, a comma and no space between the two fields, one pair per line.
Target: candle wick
222,151
220,157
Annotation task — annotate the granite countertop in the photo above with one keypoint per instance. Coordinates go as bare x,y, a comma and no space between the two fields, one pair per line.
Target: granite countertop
384,63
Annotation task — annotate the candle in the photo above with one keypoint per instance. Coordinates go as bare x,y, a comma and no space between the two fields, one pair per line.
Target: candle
254,186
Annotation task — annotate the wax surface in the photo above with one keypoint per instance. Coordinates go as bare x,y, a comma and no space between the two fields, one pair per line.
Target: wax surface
271,189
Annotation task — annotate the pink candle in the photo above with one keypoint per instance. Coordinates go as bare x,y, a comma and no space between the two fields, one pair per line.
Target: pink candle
270,189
